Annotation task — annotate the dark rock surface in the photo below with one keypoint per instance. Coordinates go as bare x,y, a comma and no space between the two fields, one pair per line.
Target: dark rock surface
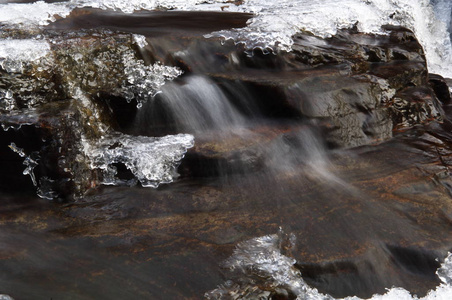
357,87
354,81
153,23
385,227
365,218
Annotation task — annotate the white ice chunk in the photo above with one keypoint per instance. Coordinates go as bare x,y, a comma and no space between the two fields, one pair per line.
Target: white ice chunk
7,102
25,50
140,40
15,52
445,272
260,262
151,160
37,13
275,22
129,6
144,82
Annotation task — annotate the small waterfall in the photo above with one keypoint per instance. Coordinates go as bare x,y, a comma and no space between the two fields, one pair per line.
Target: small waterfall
301,147
194,104
443,11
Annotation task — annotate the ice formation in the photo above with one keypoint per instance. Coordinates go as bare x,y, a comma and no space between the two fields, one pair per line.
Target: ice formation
144,82
8,103
259,262
42,13
31,161
16,119
140,40
15,52
5,297
151,160
114,69
129,6
19,57
33,14
258,269
445,272
275,22
32,64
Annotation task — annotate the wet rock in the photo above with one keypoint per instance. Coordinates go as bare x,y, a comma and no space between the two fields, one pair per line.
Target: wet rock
415,105
440,86
350,79
363,95
385,226
358,88
236,153
64,91
364,219
152,23
56,130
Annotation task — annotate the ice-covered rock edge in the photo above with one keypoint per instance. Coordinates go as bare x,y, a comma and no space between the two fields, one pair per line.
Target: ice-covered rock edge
275,23
260,262
152,161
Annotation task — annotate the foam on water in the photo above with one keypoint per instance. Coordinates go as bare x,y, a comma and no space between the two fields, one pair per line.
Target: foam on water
259,267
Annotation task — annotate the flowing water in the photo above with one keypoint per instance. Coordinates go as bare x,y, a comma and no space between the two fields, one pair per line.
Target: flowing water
255,199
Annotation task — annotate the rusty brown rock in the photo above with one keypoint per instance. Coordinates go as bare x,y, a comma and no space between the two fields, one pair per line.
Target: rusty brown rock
386,227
